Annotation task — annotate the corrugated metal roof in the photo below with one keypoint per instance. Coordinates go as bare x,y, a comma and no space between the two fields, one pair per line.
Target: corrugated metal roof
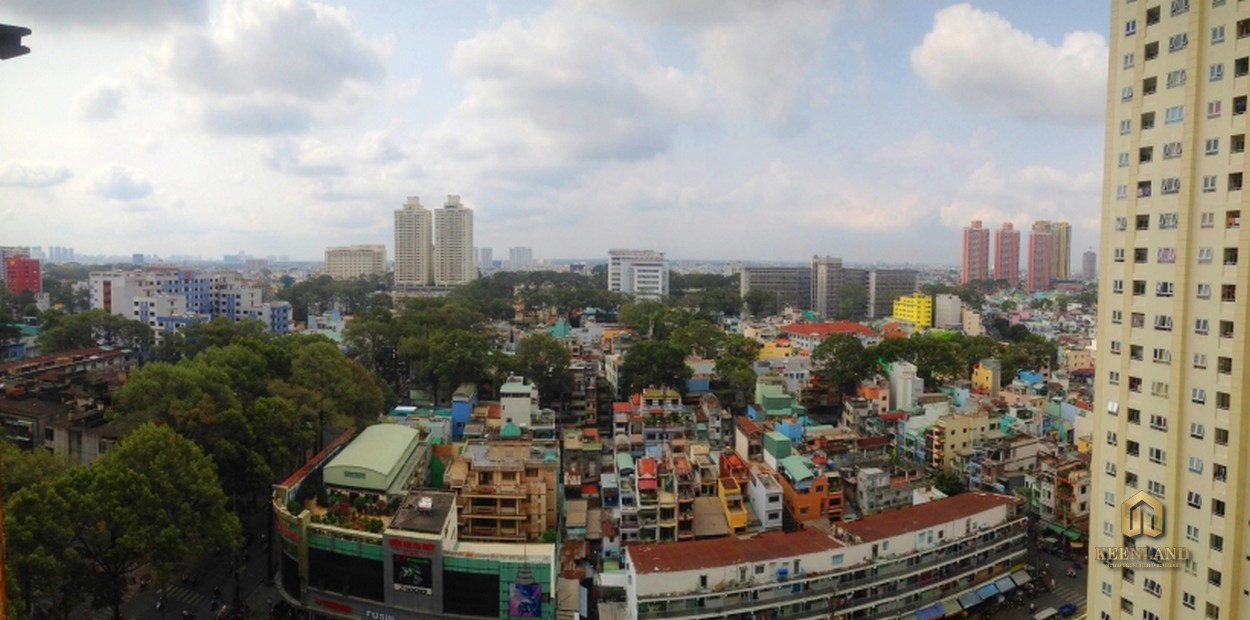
715,552
377,448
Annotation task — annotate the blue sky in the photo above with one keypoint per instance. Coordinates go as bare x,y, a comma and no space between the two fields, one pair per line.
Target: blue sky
725,129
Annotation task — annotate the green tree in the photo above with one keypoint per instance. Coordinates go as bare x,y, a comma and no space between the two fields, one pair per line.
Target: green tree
947,483
652,319
154,500
852,301
91,329
654,363
545,361
700,338
761,302
842,362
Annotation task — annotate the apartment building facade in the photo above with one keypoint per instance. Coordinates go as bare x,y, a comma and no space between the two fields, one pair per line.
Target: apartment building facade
354,261
1172,336
976,253
641,273
414,244
453,244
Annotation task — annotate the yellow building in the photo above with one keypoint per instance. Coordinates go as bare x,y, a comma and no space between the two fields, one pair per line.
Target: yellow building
986,377
916,309
771,349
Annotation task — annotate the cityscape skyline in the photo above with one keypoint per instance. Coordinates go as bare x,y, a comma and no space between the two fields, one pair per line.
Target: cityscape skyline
705,138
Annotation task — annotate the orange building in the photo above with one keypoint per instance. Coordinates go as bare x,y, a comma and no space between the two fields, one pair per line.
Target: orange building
805,490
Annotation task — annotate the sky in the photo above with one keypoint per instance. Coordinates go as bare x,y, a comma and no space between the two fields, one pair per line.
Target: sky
752,130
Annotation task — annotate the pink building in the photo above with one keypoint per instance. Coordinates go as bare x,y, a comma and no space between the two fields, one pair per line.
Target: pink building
976,256
1007,255
1041,258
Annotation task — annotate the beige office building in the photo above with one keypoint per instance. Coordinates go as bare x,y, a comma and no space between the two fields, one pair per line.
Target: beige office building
414,245
354,261
1170,417
1061,236
453,244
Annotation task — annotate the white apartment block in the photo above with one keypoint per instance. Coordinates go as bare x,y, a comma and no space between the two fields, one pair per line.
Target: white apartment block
453,244
641,273
414,244
168,299
354,261
1172,327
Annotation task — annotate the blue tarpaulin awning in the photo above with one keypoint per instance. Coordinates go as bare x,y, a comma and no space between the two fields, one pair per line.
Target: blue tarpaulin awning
1005,585
931,613
987,591
970,599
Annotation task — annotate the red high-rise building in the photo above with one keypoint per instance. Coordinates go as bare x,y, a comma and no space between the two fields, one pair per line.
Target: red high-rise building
1041,258
1007,255
22,273
976,257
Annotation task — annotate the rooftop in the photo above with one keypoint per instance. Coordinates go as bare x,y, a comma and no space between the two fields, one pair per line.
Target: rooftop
377,448
825,330
727,551
424,512
924,516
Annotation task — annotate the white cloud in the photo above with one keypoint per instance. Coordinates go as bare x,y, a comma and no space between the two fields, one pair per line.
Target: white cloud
377,148
925,147
33,174
1023,196
271,66
980,60
304,158
567,86
117,182
101,101
107,14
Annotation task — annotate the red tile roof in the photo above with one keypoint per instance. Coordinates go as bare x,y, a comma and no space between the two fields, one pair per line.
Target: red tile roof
927,515
893,416
872,442
621,408
824,330
668,557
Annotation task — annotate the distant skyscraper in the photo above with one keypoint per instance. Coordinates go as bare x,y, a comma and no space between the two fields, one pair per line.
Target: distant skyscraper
520,257
137,259
354,261
414,244
1007,255
485,258
7,252
1089,264
976,254
22,273
641,273
453,244
1041,257
1061,237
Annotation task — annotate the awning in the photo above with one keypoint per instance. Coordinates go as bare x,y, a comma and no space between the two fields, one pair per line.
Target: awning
969,600
1005,585
1073,534
930,613
987,591
647,484
951,606
1057,528
1021,577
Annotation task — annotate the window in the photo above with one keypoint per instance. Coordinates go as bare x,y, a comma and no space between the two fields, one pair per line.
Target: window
1216,73
1169,220
1138,319
1110,468
1223,400
1172,150
1156,488
1166,255
1198,395
1162,356
1234,181
1197,430
1214,577
1232,219
1228,292
1143,190
1134,384
1239,105
1230,256
1132,447
1145,154
1205,255
1217,542
1188,600
1126,127
1226,329
1108,498
1130,480
1177,42
1200,360
1208,184
1217,35
1179,7
1134,416
1153,587
1192,533
1106,588
1115,347
1121,192
1117,286
1243,28
1134,353
1213,109
1207,219
1118,255
1217,507
1147,120
1128,60
1163,322
1174,115
1158,422
1139,286
1170,185
1204,291
1152,52
1159,388
1142,222
1237,143
1130,27
1123,160
1113,377
1157,456
1195,464
1221,437
1241,66
1117,316
1175,78
1219,473
1111,438
1212,145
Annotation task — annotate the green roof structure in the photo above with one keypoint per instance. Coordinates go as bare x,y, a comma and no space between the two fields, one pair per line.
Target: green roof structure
374,460
798,468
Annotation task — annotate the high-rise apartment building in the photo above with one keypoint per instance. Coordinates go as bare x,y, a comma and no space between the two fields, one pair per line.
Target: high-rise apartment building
641,273
1089,265
453,244
354,261
21,274
485,259
976,254
414,244
1061,259
1169,423
1041,258
1007,255
793,285
520,257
